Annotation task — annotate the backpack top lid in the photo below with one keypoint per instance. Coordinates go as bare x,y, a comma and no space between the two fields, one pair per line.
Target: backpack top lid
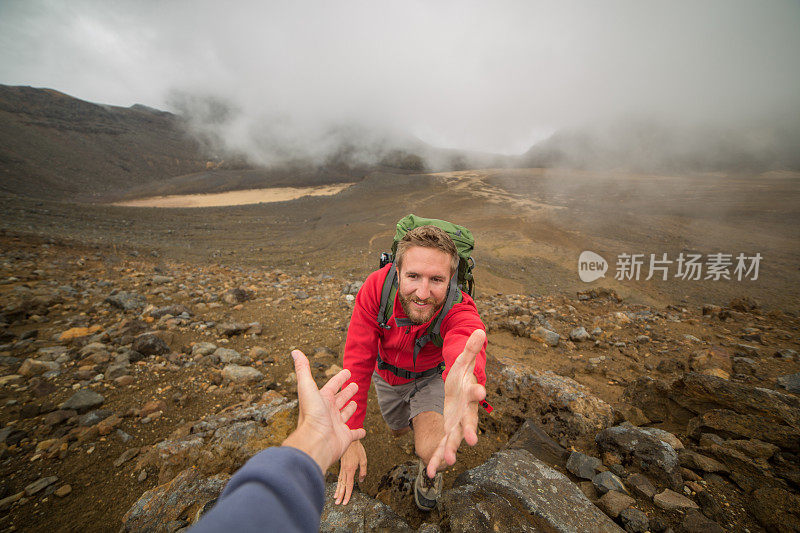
462,237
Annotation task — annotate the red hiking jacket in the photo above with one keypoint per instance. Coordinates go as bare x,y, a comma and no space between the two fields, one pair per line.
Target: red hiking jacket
365,338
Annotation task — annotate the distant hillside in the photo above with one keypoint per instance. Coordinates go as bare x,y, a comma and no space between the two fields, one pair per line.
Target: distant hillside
55,146
651,146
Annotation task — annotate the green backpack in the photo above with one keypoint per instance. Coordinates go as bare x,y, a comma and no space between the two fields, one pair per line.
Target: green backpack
461,280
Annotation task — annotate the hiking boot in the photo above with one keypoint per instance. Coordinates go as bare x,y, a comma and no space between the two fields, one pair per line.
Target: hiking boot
427,490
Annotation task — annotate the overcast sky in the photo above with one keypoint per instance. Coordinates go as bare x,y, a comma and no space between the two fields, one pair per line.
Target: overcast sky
493,76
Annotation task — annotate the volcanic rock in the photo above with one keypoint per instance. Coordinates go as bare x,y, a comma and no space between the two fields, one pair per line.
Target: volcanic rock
362,513
644,451
490,496
170,501
82,400
671,501
567,409
149,344
127,300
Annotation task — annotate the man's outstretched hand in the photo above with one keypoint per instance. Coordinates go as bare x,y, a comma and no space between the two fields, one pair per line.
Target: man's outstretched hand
461,396
321,430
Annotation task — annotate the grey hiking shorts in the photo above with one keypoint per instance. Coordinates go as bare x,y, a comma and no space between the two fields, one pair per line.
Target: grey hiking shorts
401,403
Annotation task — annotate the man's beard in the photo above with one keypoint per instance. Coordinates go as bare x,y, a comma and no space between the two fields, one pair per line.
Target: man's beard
416,315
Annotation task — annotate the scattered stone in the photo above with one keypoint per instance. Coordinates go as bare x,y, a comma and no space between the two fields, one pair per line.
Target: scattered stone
33,367
744,304
227,355
744,366
236,296
126,456
607,481
7,502
229,329
203,348
39,485
332,371
775,508
82,400
695,461
641,486
79,332
546,336
241,374
696,522
63,491
634,521
148,344
579,334
633,414
613,503
127,301
787,354
671,501
790,382
665,436
93,417
583,466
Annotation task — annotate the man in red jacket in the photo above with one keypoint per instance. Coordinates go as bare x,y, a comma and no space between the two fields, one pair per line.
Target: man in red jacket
437,393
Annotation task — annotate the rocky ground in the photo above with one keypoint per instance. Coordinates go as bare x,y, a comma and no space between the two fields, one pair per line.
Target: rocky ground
132,387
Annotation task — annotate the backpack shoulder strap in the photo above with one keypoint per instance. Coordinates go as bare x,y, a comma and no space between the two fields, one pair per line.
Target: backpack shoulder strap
387,294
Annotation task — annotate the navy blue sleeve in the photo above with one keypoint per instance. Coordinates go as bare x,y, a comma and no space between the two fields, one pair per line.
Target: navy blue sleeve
278,489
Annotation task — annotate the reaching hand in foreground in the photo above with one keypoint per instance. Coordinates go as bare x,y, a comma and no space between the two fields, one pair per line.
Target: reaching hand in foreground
461,396
321,430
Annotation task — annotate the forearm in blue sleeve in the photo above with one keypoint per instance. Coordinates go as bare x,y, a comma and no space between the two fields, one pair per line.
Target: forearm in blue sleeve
278,489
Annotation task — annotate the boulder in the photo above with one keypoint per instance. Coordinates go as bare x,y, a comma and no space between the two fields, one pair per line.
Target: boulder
697,522
183,499
514,491
701,463
583,466
730,424
790,382
613,503
776,509
535,440
361,514
565,409
672,501
646,452
223,441
607,481
641,486
714,357
634,521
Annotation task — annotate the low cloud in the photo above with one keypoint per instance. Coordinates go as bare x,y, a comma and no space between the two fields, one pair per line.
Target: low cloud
278,80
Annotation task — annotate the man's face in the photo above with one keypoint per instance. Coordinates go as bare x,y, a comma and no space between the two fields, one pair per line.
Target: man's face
424,279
